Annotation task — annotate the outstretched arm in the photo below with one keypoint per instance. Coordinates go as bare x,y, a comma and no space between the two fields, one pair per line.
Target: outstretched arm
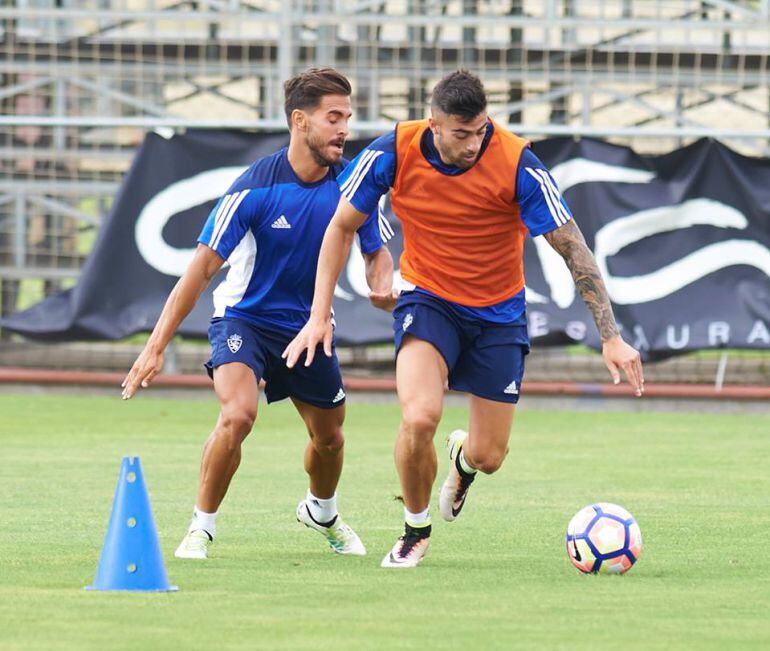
334,251
180,302
568,241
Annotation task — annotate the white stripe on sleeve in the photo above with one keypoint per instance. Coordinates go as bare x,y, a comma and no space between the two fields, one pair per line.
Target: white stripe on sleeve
239,198
545,193
554,195
357,169
547,196
351,190
386,230
224,206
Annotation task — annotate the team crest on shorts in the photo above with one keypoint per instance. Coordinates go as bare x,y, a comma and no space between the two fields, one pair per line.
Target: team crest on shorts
234,343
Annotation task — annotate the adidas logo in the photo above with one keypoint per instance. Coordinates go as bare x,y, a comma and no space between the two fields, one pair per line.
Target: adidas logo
340,395
512,388
281,222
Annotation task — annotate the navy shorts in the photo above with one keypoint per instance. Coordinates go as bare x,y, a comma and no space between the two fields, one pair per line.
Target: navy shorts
483,358
235,340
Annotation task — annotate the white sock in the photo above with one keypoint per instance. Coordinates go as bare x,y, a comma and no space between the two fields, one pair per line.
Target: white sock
467,468
323,511
205,521
421,519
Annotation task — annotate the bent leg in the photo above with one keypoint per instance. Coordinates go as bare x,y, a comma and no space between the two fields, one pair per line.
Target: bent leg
489,433
238,392
421,375
325,449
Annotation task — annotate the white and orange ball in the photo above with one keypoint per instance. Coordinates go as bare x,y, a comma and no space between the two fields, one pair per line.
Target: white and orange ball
603,538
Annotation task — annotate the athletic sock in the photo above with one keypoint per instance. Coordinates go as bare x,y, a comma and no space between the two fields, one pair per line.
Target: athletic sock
205,521
416,533
419,520
323,511
462,465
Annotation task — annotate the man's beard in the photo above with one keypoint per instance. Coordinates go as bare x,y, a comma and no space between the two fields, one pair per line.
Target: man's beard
457,160
316,152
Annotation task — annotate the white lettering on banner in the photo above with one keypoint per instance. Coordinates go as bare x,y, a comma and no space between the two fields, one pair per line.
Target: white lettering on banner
678,336
576,330
719,333
176,198
677,343
538,324
759,332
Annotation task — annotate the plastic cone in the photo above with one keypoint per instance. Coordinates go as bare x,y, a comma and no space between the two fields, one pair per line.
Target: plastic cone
131,558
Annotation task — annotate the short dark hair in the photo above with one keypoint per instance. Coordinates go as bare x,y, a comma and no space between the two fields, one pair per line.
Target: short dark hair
460,93
305,91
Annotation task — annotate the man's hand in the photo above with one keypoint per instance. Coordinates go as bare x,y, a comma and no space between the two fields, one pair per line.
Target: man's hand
314,332
145,368
618,354
384,300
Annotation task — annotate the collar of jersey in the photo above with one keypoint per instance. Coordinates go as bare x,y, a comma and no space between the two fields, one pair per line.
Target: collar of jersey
428,148
299,181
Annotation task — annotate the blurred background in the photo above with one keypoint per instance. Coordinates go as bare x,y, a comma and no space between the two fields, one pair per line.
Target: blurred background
83,82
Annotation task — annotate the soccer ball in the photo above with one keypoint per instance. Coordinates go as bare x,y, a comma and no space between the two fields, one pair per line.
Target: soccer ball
603,538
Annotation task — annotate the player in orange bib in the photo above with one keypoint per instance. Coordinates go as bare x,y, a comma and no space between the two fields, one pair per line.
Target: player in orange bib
467,193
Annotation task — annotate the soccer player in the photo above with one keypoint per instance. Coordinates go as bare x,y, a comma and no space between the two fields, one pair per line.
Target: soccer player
269,227
467,192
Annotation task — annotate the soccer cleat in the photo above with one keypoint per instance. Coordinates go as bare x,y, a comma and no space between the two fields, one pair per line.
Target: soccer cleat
341,538
454,490
409,549
194,545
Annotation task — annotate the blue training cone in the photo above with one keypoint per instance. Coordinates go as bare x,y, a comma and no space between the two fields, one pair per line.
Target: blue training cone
131,558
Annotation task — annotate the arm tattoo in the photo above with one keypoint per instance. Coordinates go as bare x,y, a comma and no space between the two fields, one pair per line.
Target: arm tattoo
568,242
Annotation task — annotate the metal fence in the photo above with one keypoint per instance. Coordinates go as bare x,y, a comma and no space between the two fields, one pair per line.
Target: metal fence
82,81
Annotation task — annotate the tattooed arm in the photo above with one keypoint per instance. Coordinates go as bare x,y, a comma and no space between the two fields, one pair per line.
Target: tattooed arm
568,242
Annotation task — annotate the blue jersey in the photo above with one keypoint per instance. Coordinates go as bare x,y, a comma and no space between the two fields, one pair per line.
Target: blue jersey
269,227
372,173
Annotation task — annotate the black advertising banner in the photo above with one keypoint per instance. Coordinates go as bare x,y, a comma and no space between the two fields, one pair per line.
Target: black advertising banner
683,241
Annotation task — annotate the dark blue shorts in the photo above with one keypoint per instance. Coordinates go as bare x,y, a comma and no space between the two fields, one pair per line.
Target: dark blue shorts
235,340
483,358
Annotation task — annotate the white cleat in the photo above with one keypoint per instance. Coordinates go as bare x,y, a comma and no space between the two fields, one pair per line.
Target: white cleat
341,538
194,545
408,551
454,490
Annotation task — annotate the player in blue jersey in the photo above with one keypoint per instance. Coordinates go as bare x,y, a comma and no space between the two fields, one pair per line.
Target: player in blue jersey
269,227
467,192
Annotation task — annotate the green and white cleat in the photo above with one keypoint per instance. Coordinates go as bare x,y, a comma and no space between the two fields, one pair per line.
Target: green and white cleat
194,545
341,538
454,490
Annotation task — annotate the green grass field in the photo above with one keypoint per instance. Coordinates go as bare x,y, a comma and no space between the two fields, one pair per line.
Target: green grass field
498,578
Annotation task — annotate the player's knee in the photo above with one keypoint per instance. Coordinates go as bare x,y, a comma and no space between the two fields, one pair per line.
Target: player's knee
420,423
489,462
236,425
330,444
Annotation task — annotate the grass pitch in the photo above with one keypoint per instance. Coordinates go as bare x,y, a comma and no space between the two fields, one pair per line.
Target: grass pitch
498,578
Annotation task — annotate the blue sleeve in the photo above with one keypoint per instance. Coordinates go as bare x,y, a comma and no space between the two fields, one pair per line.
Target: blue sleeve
370,174
542,207
369,236
229,221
